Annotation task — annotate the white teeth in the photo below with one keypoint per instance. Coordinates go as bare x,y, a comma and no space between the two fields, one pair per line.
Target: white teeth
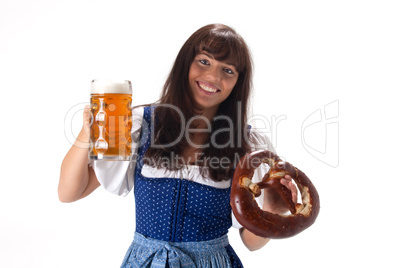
207,88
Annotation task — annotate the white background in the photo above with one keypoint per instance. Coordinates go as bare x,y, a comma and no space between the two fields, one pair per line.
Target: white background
345,55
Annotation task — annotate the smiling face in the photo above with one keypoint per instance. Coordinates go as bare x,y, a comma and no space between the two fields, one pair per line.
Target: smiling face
211,82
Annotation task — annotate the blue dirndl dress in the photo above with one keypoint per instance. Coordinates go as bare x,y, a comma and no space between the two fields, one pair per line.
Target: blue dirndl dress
179,222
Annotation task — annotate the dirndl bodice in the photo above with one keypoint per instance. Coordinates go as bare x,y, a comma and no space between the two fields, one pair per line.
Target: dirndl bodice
179,222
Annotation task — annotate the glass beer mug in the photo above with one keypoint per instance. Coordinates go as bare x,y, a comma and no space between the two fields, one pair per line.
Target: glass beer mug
110,130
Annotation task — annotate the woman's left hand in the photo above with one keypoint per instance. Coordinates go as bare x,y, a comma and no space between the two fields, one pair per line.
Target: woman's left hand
273,202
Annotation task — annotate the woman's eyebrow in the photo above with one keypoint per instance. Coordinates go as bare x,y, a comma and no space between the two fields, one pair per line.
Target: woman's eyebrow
207,54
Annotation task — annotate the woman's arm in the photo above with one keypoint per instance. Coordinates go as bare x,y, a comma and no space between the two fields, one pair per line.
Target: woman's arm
274,204
77,179
252,241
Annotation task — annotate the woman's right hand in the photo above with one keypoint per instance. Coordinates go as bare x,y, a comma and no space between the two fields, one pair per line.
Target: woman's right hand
77,179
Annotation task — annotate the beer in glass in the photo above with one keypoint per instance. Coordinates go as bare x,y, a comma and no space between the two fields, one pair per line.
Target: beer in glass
110,126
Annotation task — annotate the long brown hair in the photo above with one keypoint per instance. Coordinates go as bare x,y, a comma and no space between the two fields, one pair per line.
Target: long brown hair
224,44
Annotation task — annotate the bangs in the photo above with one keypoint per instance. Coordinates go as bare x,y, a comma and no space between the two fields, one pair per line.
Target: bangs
225,46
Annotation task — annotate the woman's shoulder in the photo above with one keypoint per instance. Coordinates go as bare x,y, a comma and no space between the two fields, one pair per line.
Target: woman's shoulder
138,110
137,117
260,140
141,112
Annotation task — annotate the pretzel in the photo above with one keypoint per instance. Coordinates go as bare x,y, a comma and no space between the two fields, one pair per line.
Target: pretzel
264,223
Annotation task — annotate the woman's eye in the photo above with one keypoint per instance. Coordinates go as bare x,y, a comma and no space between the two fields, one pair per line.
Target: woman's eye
204,62
229,71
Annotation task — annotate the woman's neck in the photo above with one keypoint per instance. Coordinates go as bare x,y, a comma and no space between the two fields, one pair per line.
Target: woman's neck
197,136
209,113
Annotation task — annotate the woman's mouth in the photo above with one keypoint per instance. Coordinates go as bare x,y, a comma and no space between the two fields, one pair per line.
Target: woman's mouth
208,88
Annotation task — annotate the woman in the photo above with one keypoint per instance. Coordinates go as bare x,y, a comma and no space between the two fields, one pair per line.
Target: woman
188,145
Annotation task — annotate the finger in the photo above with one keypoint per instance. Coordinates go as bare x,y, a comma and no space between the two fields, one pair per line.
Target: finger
288,183
86,117
86,113
293,189
288,177
86,109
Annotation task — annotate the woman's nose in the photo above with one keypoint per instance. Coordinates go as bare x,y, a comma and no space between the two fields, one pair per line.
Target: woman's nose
214,74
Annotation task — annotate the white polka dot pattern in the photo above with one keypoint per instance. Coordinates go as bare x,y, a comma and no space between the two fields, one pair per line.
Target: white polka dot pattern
177,210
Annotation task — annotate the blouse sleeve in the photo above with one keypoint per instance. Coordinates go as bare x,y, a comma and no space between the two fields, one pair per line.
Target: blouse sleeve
117,177
258,141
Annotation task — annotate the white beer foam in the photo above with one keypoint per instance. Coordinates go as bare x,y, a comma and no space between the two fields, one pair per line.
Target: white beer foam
102,86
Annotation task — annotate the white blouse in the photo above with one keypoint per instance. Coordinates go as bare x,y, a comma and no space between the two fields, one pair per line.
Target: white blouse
117,177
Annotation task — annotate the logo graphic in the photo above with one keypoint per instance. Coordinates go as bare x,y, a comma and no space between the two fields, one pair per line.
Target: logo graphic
320,134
